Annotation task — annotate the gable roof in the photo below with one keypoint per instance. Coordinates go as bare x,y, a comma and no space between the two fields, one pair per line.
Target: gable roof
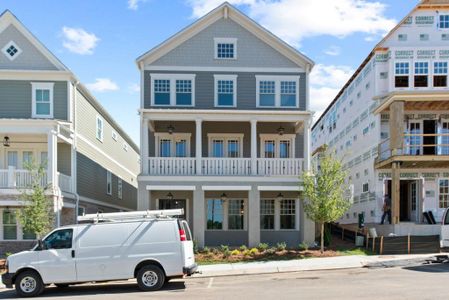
226,10
422,4
7,18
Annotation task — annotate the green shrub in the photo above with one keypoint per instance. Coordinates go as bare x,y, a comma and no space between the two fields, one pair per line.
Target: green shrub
206,250
226,253
253,251
281,246
246,252
8,254
216,251
263,247
243,248
271,250
224,248
303,246
235,252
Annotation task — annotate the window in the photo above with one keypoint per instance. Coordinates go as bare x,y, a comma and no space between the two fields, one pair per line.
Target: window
444,193
225,48
225,90
42,99
225,145
444,21
173,89
13,159
9,225
11,50
214,214
267,213
120,188
236,212
125,146
402,37
423,37
267,93
108,183
172,145
365,188
277,146
44,158
61,239
414,140
99,131
277,91
114,135
174,204
383,75
81,211
27,158
402,71
288,214
365,130
440,74
28,235
421,72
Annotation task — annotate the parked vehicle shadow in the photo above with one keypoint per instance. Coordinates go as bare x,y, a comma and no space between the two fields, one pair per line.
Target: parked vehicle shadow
95,289
430,268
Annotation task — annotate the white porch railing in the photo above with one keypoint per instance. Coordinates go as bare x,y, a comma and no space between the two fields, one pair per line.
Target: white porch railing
17,178
65,183
171,166
279,166
226,166
213,166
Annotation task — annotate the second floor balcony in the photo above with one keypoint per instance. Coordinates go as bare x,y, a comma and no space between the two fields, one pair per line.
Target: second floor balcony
225,144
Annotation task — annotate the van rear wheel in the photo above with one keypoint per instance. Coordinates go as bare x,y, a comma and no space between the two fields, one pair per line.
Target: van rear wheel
150,278
29,284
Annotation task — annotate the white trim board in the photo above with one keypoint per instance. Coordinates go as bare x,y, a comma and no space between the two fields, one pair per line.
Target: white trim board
223,69
226,187
233,179
280,188
105,204
170,188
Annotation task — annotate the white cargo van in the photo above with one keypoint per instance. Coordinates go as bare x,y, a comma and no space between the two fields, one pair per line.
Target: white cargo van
151,246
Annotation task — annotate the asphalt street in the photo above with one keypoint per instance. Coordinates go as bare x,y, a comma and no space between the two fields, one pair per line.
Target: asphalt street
409,282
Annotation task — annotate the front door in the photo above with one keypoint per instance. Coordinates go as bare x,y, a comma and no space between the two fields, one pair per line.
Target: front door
174,204
430,141
56,263
414,201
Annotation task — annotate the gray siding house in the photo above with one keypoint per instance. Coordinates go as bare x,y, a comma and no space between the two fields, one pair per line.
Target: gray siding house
225,125
48,117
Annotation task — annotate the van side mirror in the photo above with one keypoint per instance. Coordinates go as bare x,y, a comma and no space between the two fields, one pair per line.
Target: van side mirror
40,245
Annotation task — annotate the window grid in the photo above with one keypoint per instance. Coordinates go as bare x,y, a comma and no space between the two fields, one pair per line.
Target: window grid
225,50
162,86
225,86
288,87
421,68
183,86
267,212
444,193
267,87
444,21
288,207
402,68
267,207
236,207
440,68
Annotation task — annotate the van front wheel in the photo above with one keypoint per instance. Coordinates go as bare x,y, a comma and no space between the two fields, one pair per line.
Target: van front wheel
150,278
29,284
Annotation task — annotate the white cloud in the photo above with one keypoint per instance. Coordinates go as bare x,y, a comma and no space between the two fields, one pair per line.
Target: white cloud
103,85
333,51
294,20
134,88
134,4
326,81
79,41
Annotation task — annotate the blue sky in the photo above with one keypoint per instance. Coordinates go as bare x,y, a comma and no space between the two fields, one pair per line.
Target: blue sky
100,40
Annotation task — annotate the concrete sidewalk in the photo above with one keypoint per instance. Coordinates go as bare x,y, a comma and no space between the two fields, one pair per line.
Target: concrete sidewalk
311,264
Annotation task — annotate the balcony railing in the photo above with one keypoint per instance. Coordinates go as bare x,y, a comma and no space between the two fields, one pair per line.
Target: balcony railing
18,178
213,166
417,145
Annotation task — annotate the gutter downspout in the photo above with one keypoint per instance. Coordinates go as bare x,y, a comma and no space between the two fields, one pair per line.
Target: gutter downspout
74,158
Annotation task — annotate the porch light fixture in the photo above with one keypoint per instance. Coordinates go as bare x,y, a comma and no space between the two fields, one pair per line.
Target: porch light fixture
281,130
223,197
6,141
170,129
170,196
280,196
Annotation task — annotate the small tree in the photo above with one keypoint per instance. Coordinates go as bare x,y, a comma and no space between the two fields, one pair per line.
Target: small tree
325,191
36,215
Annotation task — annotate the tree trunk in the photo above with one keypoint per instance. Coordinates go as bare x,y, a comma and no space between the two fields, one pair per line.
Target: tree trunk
322,237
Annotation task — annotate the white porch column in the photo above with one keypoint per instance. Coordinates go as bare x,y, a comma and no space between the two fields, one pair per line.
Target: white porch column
254,217
52,159
199,213
198,145
253,147
144,146
306,145
143,197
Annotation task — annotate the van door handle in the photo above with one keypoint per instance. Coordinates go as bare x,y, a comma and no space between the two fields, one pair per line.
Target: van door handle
73,253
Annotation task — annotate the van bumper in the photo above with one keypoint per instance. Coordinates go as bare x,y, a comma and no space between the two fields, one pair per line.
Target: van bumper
190,270
7,279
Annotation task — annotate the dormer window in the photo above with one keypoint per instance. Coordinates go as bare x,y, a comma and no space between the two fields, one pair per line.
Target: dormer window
225,48
11,50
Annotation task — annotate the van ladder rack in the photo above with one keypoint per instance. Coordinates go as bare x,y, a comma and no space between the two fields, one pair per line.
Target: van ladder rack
130,216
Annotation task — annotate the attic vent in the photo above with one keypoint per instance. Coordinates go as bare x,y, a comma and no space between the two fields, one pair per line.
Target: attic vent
11,50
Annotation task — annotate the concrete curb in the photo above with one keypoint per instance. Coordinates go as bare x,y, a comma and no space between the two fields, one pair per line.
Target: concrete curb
313,264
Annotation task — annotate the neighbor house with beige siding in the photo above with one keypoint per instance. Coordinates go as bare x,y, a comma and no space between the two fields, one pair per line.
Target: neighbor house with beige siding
47,116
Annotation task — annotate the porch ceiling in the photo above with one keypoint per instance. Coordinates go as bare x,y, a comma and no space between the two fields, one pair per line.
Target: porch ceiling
416,162
415,100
